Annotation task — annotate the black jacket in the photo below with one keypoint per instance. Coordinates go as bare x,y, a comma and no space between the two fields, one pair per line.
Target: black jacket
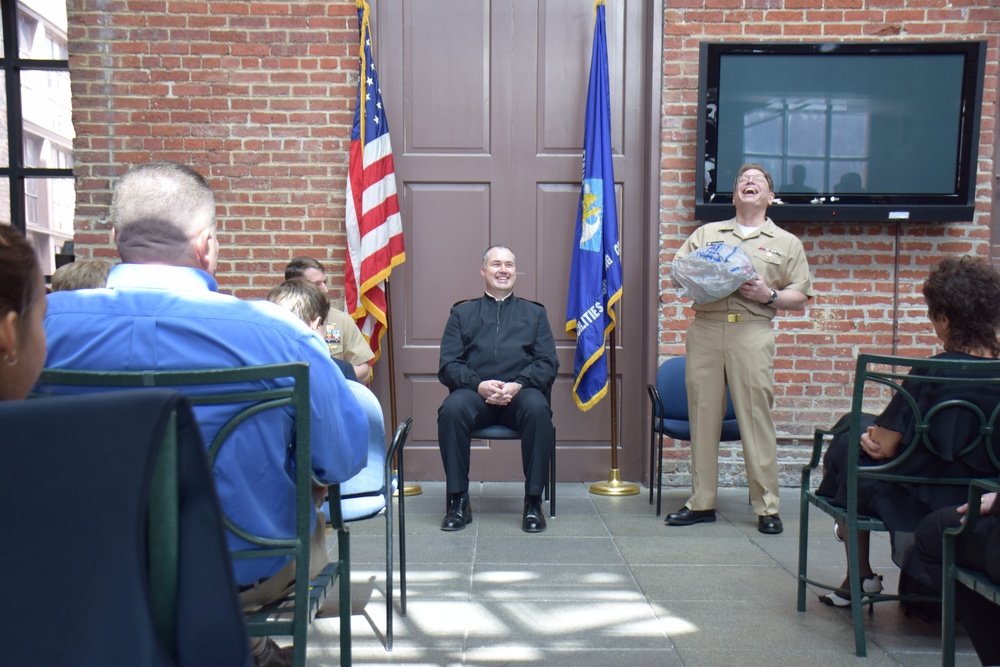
507,340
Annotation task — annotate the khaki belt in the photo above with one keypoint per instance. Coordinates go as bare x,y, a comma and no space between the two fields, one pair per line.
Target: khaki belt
730,317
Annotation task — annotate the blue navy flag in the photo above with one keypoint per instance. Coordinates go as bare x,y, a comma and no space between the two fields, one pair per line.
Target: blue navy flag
595,283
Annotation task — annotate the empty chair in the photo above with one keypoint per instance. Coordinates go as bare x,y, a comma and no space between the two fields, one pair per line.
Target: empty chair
669,417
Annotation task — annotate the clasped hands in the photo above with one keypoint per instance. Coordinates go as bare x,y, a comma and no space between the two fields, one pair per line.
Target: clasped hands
498,392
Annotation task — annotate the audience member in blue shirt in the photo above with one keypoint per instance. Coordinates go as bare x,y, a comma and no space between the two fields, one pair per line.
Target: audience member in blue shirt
161,310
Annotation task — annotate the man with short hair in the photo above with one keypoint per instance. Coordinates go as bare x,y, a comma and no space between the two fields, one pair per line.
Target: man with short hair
342,333
161,311
310,304
498,360
730,342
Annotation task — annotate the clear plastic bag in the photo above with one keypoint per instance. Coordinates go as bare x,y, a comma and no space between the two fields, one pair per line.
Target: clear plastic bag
711,272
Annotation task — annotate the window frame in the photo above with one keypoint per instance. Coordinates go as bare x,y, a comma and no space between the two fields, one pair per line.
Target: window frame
13,64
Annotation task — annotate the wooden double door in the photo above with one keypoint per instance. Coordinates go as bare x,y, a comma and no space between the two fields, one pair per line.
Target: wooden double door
485,102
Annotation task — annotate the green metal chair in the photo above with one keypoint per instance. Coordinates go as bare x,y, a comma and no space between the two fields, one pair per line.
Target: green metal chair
877,377
254,390
952,573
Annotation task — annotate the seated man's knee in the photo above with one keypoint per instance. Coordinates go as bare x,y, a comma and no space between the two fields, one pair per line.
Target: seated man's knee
457,405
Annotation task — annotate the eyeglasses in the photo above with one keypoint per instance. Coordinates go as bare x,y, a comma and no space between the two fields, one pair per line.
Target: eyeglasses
755,178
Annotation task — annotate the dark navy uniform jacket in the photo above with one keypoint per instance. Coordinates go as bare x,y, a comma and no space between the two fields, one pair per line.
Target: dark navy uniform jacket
507,340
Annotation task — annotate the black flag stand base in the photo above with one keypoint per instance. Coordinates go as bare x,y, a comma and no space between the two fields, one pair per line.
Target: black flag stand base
614,486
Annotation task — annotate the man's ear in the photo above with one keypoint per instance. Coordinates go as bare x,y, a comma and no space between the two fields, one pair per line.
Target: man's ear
316,325
203,249
8,335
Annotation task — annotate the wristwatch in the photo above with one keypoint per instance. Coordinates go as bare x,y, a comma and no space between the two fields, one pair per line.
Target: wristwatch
772,298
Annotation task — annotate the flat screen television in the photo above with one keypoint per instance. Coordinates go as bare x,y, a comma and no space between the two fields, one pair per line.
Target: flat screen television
854,131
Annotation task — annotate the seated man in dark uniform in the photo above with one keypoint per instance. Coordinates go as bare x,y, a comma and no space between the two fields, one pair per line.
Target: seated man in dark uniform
498,359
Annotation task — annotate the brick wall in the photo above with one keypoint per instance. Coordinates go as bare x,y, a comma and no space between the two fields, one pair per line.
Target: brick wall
257,96
867,276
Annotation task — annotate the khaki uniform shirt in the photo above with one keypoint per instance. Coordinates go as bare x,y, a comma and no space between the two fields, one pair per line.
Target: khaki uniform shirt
777,256
346,340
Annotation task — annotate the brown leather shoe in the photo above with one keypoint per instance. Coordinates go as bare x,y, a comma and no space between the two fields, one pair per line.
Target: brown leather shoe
269,654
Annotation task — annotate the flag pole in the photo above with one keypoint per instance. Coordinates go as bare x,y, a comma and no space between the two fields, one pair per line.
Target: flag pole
614,486
409,488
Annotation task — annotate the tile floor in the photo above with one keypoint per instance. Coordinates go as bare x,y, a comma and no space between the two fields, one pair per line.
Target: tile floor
609,584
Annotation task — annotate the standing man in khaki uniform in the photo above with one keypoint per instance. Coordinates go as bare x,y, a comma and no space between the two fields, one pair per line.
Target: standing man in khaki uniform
343,336
730,341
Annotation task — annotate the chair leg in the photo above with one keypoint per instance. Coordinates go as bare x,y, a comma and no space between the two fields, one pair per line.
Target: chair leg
853,570
388,570
552,478
402,539
652,453
948,603
803,544
659,477
344,586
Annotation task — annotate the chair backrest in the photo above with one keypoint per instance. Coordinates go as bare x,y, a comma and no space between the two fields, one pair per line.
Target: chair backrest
368,493
246,392
133,569
670,383
371,478
949,411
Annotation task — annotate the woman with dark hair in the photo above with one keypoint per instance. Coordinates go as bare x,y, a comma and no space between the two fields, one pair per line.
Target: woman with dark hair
22,311
963,305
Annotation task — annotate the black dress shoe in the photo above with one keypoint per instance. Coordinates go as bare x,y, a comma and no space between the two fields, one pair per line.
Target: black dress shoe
686,516
459,513
769,524
534,519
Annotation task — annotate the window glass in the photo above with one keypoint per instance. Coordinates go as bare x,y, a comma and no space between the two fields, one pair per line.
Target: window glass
4,149
46,104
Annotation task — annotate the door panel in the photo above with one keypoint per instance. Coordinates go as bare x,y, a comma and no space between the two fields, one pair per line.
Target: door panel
485,102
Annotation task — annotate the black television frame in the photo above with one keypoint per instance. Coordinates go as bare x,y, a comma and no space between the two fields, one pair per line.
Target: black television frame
715,203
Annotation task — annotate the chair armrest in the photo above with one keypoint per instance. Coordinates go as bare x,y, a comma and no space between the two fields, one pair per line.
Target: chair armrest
655,400
819,437
977,488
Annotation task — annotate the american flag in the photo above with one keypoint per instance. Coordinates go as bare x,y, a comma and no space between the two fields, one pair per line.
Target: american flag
373,224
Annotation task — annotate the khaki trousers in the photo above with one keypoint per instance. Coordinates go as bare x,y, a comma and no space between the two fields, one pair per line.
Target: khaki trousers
280,584
740,354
